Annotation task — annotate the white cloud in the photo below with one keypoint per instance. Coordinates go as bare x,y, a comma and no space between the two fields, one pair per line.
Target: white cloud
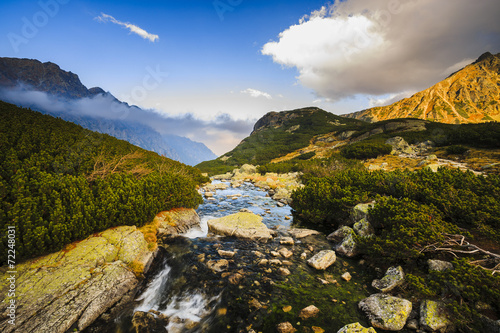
392,98
379,47
256,93
133,28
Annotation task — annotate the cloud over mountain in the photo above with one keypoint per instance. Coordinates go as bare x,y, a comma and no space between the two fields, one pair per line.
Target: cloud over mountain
379,47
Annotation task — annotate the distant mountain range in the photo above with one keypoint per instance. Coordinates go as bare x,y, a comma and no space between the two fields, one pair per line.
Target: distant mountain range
26,75
471,95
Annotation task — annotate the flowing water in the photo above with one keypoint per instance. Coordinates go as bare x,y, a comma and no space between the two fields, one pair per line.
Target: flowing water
187,292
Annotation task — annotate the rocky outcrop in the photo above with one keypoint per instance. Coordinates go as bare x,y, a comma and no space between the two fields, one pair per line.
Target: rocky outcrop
400,146
177,221
241,225
386,312
322,260
74,286
393,277
356,328
433,315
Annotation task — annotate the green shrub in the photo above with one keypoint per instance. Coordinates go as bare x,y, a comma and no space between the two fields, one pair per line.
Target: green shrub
456,150
365,150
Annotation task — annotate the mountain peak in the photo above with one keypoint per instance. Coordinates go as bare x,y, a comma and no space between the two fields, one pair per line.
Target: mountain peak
470,95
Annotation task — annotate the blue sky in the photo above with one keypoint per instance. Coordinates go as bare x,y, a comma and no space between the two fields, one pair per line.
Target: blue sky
250,57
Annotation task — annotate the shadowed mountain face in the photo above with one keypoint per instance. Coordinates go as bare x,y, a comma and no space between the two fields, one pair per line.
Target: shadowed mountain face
74,102
471,95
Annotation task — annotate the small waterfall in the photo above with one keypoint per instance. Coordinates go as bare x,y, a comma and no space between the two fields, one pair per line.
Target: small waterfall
151,297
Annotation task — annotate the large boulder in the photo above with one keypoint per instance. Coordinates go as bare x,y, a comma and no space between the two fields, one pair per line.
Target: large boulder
241,225
177,221
386,312
247,169
360,211
356,328
433,315
394,277
338,235
400,146
348,247
73,287
322,260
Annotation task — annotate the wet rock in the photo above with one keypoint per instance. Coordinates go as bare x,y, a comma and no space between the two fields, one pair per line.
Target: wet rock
287,308
241,225
177,221
286,241
439,265
308,312
245,210
258,253
347,276
255,304
227,254
303,256
433,315
356,328
317,329
394,277
235,278
143,322
263,262
209,194
275,253
322,260
284,271
386,312
285,327
218,265
287,263
276,262
363,228
286,253
302,233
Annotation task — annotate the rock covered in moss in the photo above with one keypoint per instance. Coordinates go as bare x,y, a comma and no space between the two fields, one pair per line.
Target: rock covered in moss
363,228
308,312
348,247
394,277
322,260
356,328
241,225
73,287
386,312
433,315
360,211
339,234
177,221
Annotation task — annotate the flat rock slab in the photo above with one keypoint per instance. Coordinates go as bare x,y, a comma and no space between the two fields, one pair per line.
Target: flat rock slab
302,233
386,312
240,225
322,260
76,285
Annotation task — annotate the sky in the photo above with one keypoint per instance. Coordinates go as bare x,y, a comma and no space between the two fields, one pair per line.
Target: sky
213,67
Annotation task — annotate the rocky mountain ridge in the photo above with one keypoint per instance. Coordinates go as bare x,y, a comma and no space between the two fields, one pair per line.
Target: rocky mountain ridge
28,74
470,95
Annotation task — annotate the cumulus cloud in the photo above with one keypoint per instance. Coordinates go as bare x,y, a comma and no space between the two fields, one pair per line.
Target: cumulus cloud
256,93
220,133
132,27
379,47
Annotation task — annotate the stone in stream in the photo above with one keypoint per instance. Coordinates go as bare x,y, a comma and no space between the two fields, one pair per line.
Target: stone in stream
240,225
143,322
308,312
286,253
356,328
347,276
393,277
286,241
302,233
227,254
285,327
322,260
177,221
386,312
